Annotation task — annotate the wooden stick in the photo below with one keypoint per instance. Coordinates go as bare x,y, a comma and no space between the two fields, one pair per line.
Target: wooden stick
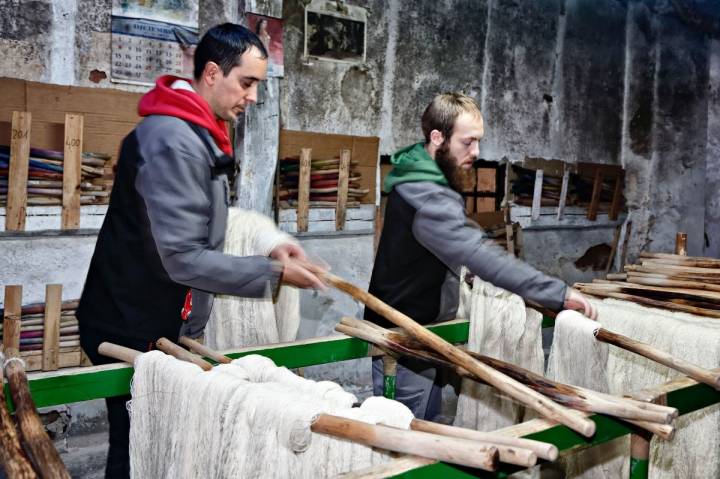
511,387
433,446
653,302
571,396
595,198
342,190
118,352
168,347
700,262
36,441
659,280
563,191
613,250
616,199
643,349
13,460
11,320
203,350
51,327
681,244
537,195
18,171
509,454
303,208
72,160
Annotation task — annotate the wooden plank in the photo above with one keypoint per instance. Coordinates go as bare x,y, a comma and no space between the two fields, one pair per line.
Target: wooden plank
616,204
680,260
304,190
653,263
595,199
710,296
71,171
18,171
650,280
669,274
11,320
537,195
655,303
681,244
613,249
51,332
66,359
342,190
563,191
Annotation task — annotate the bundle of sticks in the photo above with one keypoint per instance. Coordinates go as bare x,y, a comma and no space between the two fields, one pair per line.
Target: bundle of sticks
425,439
324,177
26,451
32,327
45,177
667,281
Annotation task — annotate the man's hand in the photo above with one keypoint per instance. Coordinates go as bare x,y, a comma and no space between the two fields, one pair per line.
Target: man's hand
288,250
302,273
577,301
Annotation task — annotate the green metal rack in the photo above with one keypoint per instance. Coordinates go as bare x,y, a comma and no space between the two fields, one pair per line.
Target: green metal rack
83,384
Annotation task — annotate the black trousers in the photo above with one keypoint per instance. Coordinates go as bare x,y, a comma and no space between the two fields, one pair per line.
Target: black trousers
118,460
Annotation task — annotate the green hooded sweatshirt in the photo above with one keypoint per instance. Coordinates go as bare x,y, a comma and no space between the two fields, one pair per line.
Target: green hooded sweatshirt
413,163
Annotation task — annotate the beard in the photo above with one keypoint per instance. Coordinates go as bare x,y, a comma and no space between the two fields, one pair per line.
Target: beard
458,179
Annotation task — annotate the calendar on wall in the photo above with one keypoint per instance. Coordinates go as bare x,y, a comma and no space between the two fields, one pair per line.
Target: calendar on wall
150,39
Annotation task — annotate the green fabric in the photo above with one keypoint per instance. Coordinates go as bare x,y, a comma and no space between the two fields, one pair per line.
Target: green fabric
413,164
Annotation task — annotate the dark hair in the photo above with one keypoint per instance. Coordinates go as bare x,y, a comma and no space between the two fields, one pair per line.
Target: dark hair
224,44
442,112
259,24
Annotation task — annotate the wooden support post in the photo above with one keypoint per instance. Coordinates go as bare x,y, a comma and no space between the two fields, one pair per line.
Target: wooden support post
616,199
18,171
11,321
51,330
389,376
342,190
681,244
72,163
595,198
563,191
537,195
303,208
613,250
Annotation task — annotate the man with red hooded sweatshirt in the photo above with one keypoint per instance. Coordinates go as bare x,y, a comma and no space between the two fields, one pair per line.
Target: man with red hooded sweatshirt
165,227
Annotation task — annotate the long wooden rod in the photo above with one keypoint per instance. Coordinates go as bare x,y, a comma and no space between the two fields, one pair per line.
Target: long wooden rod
168,347
509,386
203,350
36,441
449,449
584,400
13,460
643,349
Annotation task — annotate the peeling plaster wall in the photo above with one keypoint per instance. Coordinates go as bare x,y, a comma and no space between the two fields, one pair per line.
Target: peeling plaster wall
712,166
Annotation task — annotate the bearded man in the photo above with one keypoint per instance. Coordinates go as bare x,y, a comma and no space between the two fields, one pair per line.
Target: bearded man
427,237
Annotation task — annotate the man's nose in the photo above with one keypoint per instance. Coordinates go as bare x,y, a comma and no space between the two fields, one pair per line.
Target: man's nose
252,95
475,149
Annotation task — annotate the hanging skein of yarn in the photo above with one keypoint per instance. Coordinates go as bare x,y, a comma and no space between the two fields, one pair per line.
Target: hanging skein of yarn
576,358
236,322
248,418
502,327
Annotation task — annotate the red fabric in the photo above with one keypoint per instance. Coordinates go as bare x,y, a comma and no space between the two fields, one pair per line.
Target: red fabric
186,105
187,307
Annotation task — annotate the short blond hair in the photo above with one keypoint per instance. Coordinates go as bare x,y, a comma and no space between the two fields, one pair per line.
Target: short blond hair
442,112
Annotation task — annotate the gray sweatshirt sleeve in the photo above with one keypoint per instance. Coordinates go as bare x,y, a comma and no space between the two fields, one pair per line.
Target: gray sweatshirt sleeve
441,226
178,206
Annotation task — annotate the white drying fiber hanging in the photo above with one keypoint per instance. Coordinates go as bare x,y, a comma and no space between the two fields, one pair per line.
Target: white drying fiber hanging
239,420
502,327
236,322
693,453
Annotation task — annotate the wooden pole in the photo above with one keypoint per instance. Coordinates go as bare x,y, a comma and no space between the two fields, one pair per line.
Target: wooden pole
203,350
36,441
18,171
72,163
595,198
13,460
342,190
643,349
448,449
118,352
51,330
509,386
168,347
681,244
303,208
11,320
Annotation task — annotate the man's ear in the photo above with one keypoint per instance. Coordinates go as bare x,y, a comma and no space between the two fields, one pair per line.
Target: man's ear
211,73
436,138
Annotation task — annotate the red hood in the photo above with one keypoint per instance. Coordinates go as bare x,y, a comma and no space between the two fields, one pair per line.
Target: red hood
186,105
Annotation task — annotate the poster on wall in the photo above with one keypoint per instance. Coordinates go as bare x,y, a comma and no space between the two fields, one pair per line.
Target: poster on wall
152,38
335,32
270,31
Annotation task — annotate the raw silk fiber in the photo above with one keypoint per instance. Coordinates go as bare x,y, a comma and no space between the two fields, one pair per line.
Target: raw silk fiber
237,322
248,419
695,450
502,327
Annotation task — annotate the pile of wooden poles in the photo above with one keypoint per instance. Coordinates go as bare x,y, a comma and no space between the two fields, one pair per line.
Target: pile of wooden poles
45,177
26,451
668,281
32,327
